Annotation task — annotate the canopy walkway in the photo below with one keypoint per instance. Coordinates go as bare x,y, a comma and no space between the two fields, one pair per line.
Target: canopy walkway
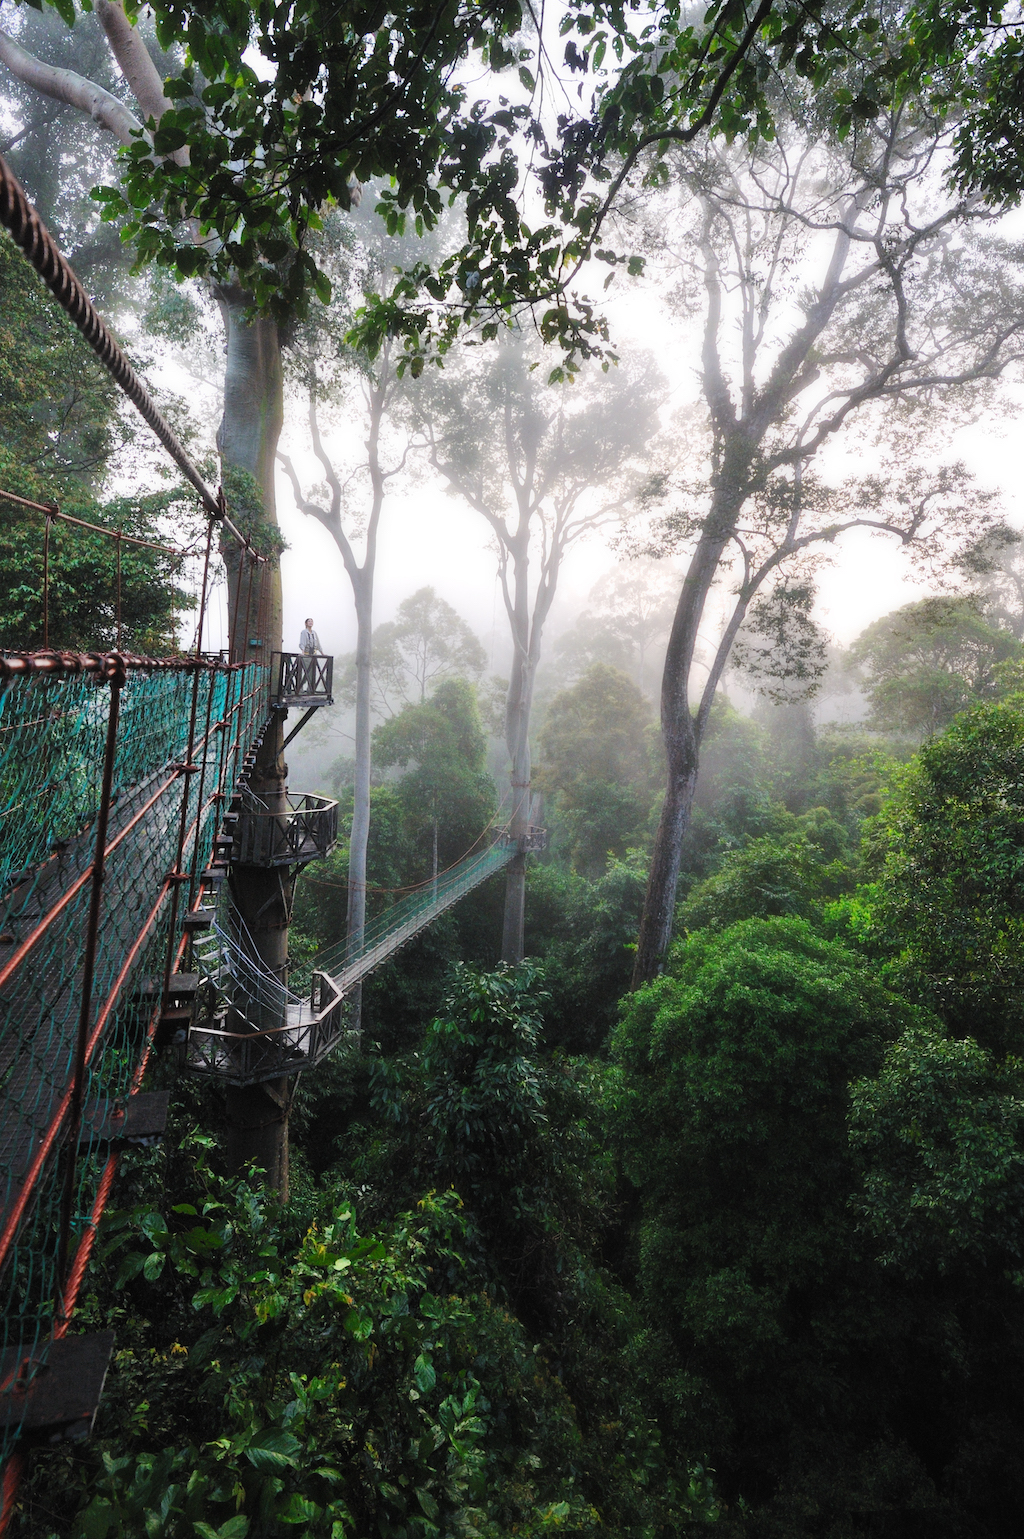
251,1028
348,964
125,805
114,772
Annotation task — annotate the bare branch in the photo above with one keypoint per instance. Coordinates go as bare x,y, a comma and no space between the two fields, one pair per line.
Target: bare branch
64,85
322,455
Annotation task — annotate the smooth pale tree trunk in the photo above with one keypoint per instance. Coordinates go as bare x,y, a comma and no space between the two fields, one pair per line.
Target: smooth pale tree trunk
362,587
517,739
361,579
518,742
682,731
683,750
256,1116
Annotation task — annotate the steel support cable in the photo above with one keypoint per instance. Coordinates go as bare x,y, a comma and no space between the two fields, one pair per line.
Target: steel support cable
51,511
20,218
429,880
30,233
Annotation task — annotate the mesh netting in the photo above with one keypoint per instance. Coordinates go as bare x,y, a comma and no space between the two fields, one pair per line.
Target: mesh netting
52,736
246,992
348,962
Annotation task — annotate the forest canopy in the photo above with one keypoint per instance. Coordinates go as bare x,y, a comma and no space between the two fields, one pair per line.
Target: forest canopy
664,1170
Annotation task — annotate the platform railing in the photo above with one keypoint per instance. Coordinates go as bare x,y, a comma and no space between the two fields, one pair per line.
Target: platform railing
309,1032
301,680
306,830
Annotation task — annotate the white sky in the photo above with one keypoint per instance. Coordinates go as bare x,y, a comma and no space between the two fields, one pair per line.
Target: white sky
429,538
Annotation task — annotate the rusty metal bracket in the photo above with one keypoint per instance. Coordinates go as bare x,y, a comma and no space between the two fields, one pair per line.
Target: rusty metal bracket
299,724
141,1121
51,1392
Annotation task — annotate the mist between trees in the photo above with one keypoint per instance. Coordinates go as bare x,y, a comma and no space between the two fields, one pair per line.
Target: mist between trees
676,1180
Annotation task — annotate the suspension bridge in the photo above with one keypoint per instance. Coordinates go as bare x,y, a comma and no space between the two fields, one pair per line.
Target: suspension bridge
127,809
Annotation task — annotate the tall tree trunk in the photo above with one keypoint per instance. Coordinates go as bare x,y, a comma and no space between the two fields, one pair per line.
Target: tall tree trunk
682,732
257,1116
659,903
359,839
517,739
361,578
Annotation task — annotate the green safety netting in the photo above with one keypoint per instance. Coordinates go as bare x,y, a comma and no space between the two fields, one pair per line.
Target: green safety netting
52,737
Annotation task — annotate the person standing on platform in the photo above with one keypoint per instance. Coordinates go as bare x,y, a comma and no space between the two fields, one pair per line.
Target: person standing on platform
309,646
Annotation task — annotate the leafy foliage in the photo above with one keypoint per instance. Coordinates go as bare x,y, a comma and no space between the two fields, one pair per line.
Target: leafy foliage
427,643
85,593
298,1373
441,747
341,99
766,1336
940,1133
584,932
60,434
596,760
786,875
928,661
58,406
948,899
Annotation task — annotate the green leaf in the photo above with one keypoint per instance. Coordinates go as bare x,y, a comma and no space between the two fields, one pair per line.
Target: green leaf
298,1509
189,261
130,1267
428,1504
153,1266
95,1522
155,1225
424,1374
273,1449
235,1528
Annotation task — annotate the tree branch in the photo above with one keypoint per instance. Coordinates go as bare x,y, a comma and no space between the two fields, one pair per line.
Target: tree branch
64,85
133,57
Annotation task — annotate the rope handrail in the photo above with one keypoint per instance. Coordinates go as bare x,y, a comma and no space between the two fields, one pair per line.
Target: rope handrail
51,510
30,233
20,218
105,665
